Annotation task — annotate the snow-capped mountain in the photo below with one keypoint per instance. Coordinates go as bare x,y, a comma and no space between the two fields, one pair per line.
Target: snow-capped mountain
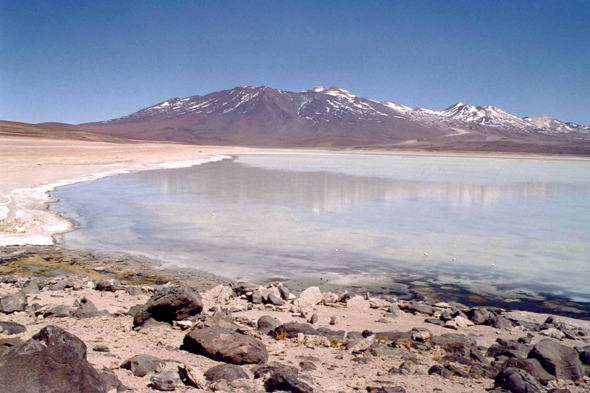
550,125
488,116
320,116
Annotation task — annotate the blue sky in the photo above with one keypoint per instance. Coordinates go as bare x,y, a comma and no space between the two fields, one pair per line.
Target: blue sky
75,61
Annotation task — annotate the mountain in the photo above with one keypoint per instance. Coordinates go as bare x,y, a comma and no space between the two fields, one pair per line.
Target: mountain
331,117
262,116
550,125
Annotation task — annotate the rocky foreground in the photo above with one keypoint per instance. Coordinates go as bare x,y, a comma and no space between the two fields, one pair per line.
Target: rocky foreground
74,334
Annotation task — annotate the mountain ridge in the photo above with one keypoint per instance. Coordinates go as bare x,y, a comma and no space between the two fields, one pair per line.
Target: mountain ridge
323,117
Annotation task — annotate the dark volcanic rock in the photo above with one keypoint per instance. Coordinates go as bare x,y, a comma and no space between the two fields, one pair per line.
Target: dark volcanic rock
225,345
447,371
166,381
53,361
585,355
58,312
12,303
481,316
112,382
134,291
276,300
509,348
559,360
417,308
267,323
108,285
229,372
531,366
8,279
7,344
171,304
141,365
385,389
266,370
285,381
291,330
9,328
460,348
30,287
87,309
133,310
518,381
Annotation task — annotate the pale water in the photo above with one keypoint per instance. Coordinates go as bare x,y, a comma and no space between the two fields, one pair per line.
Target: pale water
354,220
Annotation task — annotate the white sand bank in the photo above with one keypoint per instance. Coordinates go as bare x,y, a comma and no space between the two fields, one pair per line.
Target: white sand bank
31,167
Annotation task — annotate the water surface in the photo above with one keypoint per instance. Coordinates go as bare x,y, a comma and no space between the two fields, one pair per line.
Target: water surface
354,219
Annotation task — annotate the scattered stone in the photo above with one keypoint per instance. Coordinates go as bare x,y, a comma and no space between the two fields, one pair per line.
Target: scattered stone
435,321
111,285
462,322
309,297
283,380
559,360
87,309
553,333
8,279
358,303
53,360
518,381
12,303
585,355
416,308
134,291
192,377
333,320
221,294
502,323
229,372
314,319
166,381
284,291
379,303
531,366
59,286
58,312
276,300
306,365
112,382
266,324
266,370
291,330
141,365
226,346
420,334
256,297
7,344
30,287
10,328
508,348
101,348
385,389
174,303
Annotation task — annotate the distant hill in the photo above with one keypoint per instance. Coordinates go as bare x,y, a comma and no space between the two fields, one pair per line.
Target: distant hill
26,130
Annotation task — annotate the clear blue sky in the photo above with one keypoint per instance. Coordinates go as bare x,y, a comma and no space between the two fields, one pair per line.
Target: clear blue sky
74,62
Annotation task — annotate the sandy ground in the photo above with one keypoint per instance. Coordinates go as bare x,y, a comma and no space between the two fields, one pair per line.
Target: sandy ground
337,369
31,167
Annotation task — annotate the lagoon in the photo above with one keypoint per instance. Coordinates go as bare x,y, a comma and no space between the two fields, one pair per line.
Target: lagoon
354,220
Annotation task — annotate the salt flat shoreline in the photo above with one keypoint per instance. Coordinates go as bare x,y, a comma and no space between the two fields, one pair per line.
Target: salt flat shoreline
49,164
355,342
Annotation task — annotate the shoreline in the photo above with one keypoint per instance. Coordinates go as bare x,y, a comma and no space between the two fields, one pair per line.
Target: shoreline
33,205
25,217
